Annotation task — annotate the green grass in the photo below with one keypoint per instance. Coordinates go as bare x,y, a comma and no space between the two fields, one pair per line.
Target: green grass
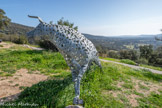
22,87
44,61
151,67
128,86
127,61
152,101
58,92
143,87
16,85
111,59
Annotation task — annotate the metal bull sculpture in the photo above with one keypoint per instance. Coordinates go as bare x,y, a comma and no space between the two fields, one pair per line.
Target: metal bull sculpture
78,51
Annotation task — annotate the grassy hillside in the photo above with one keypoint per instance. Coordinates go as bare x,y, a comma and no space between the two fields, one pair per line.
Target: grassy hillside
117,86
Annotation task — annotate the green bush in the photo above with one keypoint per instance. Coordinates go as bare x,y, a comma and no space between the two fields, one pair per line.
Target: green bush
43,41
113,54
19,39
47,45
142,61
156,58
129,54
146,51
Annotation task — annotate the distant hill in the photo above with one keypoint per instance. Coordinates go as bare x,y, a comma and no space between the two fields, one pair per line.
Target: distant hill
124,42
15,28
102,42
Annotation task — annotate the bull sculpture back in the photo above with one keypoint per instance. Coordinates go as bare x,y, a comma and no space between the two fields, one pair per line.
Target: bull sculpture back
77,50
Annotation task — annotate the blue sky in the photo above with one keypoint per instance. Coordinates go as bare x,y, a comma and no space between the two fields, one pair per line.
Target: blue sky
98,17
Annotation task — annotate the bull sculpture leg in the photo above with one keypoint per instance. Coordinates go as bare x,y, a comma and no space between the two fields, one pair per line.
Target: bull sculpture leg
77,81
76,99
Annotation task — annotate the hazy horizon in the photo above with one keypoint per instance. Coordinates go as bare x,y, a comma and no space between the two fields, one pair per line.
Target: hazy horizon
106,17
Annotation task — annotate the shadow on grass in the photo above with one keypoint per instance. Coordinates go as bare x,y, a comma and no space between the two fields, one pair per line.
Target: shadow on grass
47,94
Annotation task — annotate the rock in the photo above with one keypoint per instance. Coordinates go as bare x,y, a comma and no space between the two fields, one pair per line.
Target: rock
74,106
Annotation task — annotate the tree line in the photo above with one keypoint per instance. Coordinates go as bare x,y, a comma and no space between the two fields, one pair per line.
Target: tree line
145,55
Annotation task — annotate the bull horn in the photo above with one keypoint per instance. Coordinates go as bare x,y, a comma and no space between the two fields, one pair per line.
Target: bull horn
40,20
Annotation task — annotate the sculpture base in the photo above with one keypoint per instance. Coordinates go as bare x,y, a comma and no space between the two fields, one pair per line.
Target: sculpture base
74,106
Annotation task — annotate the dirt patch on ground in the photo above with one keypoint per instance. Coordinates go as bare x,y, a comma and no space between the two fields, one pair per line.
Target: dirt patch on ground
140,87
132,99
6,45
11,87
146,87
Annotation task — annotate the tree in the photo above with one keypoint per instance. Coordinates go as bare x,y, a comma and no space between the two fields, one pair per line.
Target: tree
156,57
128,54
113,54
51,22
4,20
158,38
146,51
159,49
67,23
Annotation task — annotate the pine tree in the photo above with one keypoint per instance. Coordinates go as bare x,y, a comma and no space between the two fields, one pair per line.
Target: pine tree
67,23
4,20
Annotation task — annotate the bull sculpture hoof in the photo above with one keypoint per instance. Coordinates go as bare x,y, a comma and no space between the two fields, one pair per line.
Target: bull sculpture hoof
77,101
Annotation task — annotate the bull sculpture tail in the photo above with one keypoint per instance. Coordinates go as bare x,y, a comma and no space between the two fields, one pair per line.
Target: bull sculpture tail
40,20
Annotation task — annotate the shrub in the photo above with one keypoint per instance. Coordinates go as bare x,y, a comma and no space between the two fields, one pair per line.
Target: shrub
129,54
156,58
20,40
14,38
66,23
4,37
142,61
113,54
47,45
43,41
146,51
